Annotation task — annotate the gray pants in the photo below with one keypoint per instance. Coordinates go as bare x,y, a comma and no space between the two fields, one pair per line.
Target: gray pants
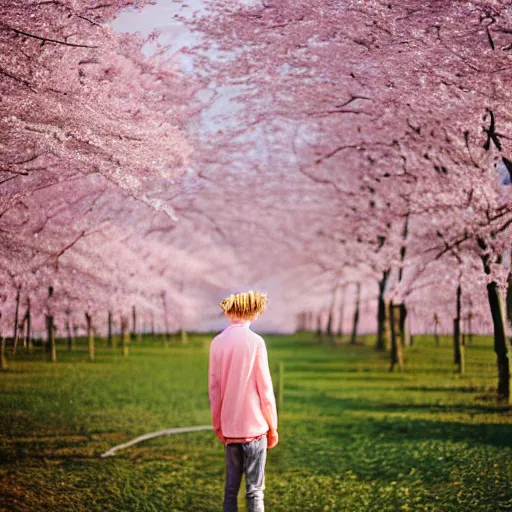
248,458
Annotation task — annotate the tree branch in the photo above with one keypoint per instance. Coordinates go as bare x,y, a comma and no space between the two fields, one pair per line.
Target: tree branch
48,40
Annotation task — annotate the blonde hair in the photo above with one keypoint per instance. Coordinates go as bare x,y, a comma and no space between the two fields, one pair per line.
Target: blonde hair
244,306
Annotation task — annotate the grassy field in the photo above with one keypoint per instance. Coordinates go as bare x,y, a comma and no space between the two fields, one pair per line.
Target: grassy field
353,436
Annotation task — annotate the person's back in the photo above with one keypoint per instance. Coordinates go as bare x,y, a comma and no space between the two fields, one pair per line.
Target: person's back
242,400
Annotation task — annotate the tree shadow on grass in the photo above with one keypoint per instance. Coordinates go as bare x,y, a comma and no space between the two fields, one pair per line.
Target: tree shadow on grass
343,405
411,428
329,368
402,448
448,389
371,367
382,378
330,439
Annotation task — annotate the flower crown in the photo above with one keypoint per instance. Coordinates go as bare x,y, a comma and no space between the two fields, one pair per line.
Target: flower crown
244,305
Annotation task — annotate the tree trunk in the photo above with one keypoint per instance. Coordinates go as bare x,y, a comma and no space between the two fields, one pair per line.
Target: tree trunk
69,333
456,329
404,328
50,336
109,332
166,318
387,326
329,325
90,337
462,367
125,336
28,329
509,299
16,320
470,328
21,333
342,314
500,338
134,323
319,327
500,343
330,318
50,327
382,319
3,360
436,327
456,341
397,356
340,323
355,322
152,323
458,344
399,322
121,331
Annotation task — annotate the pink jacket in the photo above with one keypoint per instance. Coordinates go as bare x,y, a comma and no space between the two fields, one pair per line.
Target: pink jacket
239,384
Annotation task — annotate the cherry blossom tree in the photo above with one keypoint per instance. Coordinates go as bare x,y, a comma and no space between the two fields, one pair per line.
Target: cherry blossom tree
386,111
86,119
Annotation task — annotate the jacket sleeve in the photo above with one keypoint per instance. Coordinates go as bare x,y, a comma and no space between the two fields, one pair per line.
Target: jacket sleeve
214,391
265,389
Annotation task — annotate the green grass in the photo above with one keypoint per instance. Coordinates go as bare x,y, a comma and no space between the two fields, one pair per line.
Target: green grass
353,436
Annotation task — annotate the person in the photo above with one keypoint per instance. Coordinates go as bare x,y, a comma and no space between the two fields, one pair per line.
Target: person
243,406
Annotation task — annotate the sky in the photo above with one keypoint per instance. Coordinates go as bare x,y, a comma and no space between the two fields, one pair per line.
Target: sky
163,16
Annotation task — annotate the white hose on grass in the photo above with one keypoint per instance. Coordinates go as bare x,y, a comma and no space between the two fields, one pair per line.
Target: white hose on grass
151,435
